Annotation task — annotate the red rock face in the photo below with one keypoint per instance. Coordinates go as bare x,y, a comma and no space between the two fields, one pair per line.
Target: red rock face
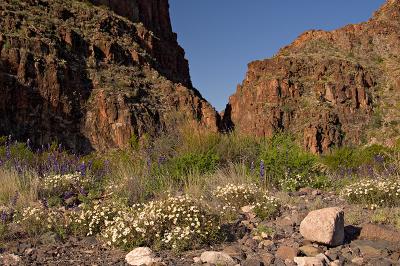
161,43
91,79
326,87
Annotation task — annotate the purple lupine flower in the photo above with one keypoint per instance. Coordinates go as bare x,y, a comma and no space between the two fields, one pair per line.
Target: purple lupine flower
3,216
379,159
89,165
262,171
82,169
68,195
161,160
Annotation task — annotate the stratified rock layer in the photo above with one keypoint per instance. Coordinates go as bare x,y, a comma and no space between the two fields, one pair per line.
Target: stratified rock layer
327,88
91,76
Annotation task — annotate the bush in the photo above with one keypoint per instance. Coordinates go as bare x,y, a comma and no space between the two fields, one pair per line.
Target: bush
175,223
284,158
92,218
231,198
347,157
235,148
39,220
183,165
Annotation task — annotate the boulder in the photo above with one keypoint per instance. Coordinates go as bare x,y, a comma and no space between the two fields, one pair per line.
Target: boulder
217,258
325,226
141,256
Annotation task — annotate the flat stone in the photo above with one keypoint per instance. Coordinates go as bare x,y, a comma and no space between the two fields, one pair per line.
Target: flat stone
308,261
372,248
310,251
285,252
217,258
325,226
379,232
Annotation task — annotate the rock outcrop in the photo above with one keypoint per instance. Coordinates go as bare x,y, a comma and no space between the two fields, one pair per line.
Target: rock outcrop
327,88
91,76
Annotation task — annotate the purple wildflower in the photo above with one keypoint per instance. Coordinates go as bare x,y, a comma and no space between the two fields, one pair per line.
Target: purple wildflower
262,171
68,195
3,216
161,160
82,169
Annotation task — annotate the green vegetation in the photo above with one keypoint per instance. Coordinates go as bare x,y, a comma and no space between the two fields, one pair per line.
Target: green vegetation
136,196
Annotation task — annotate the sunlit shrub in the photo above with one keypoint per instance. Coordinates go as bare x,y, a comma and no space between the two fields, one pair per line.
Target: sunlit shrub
283,157
176,223
232,197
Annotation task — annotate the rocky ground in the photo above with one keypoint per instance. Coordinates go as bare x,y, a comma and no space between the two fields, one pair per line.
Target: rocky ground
274,242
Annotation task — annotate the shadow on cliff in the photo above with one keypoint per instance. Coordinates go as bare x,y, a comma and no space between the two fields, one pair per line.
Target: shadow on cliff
44,103
227,125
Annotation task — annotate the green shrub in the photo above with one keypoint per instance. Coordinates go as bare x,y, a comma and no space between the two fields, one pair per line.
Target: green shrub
284,158
183,165
236,148
347,157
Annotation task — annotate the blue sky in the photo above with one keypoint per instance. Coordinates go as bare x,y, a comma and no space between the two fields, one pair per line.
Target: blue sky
221,37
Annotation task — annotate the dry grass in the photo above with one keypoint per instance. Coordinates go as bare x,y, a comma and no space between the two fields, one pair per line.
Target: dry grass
200,185
25,186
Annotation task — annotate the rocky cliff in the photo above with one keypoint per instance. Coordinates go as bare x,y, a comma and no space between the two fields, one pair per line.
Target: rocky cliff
327,88
90,74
